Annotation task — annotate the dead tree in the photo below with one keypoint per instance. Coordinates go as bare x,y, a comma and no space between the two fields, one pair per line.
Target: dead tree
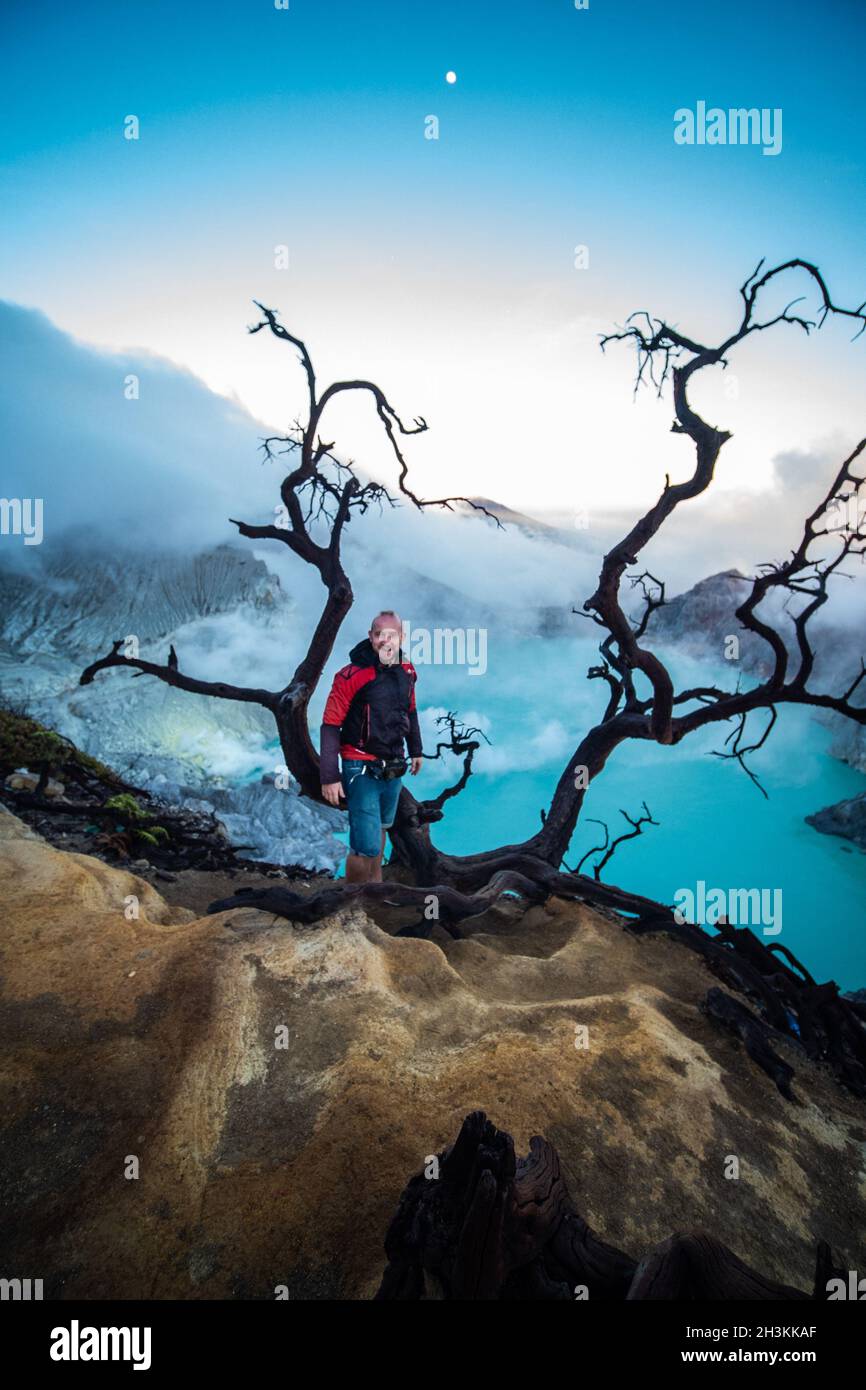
320,488
323,487
666,715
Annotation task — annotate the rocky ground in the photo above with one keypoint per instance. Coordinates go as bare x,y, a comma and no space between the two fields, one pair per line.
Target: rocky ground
274,1087
79,804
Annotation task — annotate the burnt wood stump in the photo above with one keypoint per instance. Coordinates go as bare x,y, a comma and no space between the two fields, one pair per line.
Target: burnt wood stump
495,1226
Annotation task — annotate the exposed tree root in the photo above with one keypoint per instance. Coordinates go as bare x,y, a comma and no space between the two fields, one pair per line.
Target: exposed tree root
791,1006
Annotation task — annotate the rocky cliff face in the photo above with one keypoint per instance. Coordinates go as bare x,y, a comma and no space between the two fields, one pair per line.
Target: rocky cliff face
849,742
155,1045
79,602
703,618
189,749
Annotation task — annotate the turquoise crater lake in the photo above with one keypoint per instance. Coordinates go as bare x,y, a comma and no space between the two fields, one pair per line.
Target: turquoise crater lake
534,703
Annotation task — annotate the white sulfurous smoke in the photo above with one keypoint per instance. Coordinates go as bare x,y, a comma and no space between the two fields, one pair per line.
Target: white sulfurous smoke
137,496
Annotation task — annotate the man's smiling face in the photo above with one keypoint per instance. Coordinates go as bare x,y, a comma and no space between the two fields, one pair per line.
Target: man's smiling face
385,638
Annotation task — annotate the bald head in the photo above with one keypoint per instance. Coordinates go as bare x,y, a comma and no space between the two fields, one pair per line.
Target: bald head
386,635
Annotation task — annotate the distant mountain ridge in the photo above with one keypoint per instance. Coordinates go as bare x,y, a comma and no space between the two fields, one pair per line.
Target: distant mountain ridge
699,620
530,525
704,617
77,603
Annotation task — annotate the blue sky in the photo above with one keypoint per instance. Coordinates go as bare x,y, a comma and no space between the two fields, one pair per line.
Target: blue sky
444,269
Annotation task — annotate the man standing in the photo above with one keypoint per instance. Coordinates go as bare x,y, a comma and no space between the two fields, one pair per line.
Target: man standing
368,714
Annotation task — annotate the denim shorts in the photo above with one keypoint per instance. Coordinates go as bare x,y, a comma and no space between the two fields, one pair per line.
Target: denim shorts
372,806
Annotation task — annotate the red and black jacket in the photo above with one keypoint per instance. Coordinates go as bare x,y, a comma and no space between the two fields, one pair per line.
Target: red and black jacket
369,712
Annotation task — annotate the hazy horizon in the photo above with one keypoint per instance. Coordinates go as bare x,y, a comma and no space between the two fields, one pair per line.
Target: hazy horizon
447,270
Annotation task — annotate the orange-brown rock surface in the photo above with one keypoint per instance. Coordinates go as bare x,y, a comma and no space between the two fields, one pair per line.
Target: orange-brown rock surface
263,1165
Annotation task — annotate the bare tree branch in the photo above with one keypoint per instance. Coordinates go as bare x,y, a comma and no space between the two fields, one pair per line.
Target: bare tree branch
610,847
738,752
172,676
462,743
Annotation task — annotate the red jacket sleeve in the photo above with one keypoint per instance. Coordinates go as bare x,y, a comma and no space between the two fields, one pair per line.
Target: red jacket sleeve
347,682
